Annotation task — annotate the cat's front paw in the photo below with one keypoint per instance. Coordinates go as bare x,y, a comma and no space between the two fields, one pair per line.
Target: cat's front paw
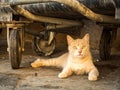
92,78
62,75
93,74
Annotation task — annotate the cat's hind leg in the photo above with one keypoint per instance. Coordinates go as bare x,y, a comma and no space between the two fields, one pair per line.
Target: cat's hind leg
93,74
47,62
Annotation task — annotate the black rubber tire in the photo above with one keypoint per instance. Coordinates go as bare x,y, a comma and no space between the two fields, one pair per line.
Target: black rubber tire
105,45
1,30
15,50
42,52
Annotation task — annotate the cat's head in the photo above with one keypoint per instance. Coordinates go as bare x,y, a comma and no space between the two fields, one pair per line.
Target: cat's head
78,47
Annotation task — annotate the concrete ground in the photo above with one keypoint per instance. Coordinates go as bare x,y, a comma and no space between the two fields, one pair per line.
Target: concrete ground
28,78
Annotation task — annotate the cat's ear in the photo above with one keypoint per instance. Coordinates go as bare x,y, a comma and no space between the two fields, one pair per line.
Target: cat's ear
87,37
69,39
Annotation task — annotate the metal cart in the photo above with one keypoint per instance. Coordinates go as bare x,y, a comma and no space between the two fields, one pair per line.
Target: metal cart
56,14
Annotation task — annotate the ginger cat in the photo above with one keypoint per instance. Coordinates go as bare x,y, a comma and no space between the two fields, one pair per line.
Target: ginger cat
78,60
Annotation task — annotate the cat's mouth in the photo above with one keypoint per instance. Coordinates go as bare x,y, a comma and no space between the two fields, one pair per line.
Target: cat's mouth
78,55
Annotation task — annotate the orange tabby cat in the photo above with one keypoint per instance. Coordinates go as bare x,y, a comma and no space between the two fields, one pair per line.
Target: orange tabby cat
78,60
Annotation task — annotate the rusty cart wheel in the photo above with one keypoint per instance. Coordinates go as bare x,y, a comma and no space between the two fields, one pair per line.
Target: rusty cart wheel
15,51
42,46
105,44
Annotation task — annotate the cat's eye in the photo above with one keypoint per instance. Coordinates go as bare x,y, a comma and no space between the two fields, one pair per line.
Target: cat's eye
83,47
74,47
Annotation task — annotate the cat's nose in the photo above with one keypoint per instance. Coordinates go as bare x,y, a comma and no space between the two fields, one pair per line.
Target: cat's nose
80,51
